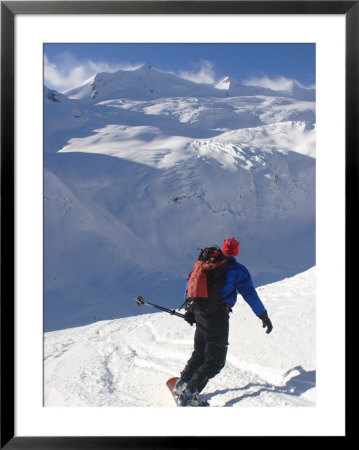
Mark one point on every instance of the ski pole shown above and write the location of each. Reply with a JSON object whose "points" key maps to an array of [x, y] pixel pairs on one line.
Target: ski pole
{"points": [[141, 301]]}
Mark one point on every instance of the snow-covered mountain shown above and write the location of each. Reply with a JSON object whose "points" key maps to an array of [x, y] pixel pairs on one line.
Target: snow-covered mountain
{"points": [[142, 168], [142, 83], [290, 89], [149, 83], [126, 362]]}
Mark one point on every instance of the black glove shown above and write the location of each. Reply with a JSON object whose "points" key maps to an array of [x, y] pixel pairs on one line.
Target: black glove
{"points": [[190, 318], [266, 322]]}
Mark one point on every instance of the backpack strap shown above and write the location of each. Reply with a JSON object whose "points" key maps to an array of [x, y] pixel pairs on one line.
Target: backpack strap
{"points": [[179, 309]]}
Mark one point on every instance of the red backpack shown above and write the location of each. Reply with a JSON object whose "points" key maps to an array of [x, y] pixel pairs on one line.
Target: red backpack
{"points": [[205, 282]]}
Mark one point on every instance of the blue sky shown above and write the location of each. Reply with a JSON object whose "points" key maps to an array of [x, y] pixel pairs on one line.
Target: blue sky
{"points": [[269, 65]]}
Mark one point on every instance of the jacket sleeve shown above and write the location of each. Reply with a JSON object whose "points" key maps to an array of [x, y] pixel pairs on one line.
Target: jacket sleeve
{"points": [[246, 289]]}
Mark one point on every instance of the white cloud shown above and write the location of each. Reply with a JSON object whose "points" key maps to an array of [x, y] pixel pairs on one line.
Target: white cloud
{"points": [[278, 83], [69, 72], [203, 73]]}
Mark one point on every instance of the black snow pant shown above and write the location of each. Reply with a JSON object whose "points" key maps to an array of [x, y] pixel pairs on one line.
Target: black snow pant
{"points": [[210, 350]]}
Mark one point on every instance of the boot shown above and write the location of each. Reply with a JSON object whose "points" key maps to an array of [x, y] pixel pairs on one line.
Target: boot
{"points": [[180, 386], [188, 398]]}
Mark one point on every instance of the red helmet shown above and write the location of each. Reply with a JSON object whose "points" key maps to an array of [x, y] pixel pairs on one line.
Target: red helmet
{"points": [[230, 247]]}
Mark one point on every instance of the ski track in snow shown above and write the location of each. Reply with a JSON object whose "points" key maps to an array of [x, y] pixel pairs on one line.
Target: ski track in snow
{"points": [[125, 362]]}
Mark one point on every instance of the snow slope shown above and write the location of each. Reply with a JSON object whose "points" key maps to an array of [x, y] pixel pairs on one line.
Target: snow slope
{"points": [[125, 362], [136, 181]]}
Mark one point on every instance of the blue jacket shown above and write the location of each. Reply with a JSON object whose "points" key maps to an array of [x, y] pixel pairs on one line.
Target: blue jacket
{"points": [[238, 280]]}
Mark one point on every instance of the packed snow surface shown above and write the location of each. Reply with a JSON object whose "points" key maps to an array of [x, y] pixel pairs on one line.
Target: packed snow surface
{"points": [[126, 362]]}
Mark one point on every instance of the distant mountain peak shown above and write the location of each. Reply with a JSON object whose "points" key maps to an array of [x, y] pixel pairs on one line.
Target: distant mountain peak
{"points": [[144, 68], [226, 82]]}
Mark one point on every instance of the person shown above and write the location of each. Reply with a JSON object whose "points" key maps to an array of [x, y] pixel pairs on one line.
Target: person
{"points": [[211, 335]]}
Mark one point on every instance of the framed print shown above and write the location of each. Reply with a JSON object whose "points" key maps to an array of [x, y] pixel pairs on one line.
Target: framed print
{"points": [[132, 135]]}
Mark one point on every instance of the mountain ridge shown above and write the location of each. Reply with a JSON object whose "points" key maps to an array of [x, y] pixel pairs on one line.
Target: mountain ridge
{"points": [[148, 82]]}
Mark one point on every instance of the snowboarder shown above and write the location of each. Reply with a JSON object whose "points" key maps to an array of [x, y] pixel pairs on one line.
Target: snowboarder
{"points": [[211, 335]]}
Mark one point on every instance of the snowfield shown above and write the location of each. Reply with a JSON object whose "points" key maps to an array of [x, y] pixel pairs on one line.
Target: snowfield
{"points": [[126, 362]]}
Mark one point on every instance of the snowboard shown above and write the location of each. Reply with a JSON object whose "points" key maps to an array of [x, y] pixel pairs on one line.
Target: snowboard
{"points": [[171, 384]]}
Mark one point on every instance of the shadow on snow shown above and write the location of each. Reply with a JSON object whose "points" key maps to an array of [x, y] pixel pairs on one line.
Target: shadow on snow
{"points": [[295, 386]]}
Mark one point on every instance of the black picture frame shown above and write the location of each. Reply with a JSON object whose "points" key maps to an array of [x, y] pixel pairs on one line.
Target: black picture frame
{"points": [[9, 9]]}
